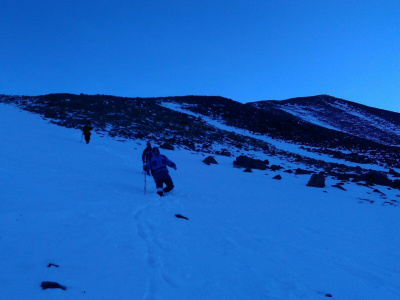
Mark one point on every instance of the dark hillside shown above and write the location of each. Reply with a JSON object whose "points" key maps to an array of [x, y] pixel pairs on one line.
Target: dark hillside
{"points": [[351, 132]]}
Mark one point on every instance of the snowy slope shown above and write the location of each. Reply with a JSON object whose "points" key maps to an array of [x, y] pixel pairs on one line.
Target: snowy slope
{"points": [[280, 145], [83, 208], [341, 115]]}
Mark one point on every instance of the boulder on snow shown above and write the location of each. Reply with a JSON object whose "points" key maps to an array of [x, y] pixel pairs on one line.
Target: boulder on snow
{"points": [[339, 186], [277, 177], [375, 177], [396, 184], [52, 285], [379, 192], [247, 162], [179, 216], [225, 152], [275, 168], [210, 160], [345, 176], [248, 170], [317, 180], [299, 171], [167, 146], [394, 173]]}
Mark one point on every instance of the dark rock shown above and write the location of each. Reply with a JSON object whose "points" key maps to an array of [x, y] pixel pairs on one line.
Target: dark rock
{"points": [[394, 173], [248, 170], [275, 168], [365, 200], [328, 295], [181, 217], [53, 265], [278, 177], [317, 180], [339, 186], [302, 172], [346, 177], [379, 192], [375, 177], [225, 152], [167, 146], [396, 184], [52, 285], [210, 160], [358, 170], [247, 162], [288, 171]]}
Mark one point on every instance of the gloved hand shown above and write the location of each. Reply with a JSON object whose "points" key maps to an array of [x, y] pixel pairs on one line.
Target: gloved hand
{"points": [[174, 167]]}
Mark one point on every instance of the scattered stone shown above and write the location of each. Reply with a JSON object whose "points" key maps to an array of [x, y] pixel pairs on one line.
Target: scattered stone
{"points": [[358, 169], [365, 200], [328, 295], [339, 186], [52, 285], [167, 146], [288, 171], [278, 177], [393, 203], [394, 173], [275, 168], [181, 217], [317, 180], [299, 171], [247, 162], [363, 184], [53, 265], [210, 160], [225, 152], [396, 184], [379, 192], [375, 177], [345, 176]]}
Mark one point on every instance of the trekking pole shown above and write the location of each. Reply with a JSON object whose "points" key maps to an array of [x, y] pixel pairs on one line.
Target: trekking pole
{"points": [[144, 172]]}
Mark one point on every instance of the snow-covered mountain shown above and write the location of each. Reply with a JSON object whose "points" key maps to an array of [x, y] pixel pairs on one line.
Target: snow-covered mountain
{"points": [[76, 214], [321, 126], [359, 120]]}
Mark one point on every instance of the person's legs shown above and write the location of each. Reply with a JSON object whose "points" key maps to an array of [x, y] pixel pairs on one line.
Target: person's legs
{"points": [[159, 186], [169, 185], [87, 138]]}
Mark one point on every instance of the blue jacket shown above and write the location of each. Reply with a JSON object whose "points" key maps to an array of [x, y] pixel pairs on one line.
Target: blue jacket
{"points": [[158, 165]]}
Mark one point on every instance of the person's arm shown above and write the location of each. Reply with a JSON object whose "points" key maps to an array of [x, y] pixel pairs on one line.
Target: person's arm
{"points": [[170, 163]]}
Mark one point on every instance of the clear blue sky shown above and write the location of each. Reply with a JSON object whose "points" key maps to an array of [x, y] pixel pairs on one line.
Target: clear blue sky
{"points": [[244, 50]]}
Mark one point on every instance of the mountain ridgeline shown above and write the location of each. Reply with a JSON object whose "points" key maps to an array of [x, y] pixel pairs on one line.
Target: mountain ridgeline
{"points": [[323, 124]]}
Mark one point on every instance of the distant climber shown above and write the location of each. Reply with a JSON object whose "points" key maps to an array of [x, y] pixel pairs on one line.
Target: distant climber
{"points": [[86, 131], [146, 155], [158, 165]]}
